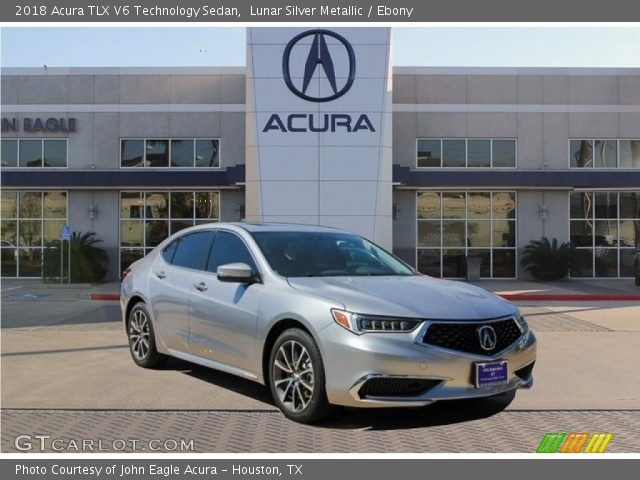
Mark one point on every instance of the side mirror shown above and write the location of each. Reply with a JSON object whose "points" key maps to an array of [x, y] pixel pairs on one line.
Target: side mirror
{"points": [[236, 272]]}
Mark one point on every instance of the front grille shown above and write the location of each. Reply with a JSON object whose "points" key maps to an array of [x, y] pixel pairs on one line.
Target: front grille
{"points": [[464, 336], [525, 372], [396, 387]]}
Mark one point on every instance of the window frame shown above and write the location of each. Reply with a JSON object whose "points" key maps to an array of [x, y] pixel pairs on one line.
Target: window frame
{"points": [[592, 218], [466, 153], [42, 219], [42, 140], [169, 219], [593, 160], [441, 248], [169, 166]]}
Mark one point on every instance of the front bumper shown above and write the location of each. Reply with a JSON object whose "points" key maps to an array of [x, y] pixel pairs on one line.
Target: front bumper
{"points": [[350, 360]]}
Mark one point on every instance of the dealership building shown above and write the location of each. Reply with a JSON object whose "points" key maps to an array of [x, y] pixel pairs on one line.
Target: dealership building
{"points": [[435, 164]]}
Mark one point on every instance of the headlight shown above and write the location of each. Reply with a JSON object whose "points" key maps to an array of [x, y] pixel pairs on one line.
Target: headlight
{"points": [[522, 323], [358, 323]]}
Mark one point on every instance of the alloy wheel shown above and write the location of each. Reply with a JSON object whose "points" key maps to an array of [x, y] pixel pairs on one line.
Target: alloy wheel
{"points": [[139, 336], [293, 376]]}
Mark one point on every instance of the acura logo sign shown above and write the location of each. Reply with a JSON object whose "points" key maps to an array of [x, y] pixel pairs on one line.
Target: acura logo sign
{"points": [[487, 338], [319, 58]]}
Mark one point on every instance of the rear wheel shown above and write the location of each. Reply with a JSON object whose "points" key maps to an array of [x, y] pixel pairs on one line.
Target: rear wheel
{"points": [[142, 341], [296, 377]]}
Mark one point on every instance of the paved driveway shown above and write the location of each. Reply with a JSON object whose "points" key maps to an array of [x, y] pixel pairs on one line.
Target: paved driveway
{"points": [[66, 371]]}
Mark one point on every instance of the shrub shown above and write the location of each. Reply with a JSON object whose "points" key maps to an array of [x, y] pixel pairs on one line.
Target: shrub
{"points": [[88, 262], [546, 260]]}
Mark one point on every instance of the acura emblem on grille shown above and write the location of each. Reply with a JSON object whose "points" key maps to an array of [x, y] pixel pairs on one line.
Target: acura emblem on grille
{"points": [[487, 337]]}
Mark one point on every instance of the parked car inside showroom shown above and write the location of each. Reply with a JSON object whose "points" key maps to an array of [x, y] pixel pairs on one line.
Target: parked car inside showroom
{"points": [[322, 317]]}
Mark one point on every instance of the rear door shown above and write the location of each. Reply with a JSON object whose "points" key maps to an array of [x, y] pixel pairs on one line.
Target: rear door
{"points": [[223, 315], [170, 284]]}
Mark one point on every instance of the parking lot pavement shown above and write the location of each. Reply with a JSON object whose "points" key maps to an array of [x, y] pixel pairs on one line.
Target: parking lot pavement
{"points": [[66, 371]]}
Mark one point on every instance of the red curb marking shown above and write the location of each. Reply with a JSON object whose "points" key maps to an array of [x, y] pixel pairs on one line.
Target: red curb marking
{"points": [[105, 296]]}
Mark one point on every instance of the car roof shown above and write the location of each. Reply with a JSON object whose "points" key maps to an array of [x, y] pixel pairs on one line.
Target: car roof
{"points": [[253, 227]]}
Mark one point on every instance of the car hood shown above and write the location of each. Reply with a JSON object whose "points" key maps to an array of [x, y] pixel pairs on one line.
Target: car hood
{"points": [[417, 296]]}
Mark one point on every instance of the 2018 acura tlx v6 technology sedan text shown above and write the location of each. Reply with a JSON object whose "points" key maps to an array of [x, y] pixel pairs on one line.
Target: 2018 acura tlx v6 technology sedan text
{"points": [[322, 317]]}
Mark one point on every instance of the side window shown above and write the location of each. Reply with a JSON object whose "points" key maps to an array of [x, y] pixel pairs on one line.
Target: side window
{"points": [[228, 248], [169, 251], [191, 250]]}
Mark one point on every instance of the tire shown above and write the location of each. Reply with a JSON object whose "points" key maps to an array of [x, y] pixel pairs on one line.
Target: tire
{"points": [[296, 377], [142, 339]]}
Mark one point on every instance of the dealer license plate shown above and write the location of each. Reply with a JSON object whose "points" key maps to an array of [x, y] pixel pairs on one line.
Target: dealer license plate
{"points": [[491, 373]]}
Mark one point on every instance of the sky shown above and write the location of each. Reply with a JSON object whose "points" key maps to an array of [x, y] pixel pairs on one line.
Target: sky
{"points": [[414, 46]]}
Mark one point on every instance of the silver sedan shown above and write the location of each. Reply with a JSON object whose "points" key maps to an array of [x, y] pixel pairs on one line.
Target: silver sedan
{"points": [[322, 317]]}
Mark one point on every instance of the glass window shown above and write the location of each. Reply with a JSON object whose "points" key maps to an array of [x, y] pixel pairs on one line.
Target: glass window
{"points": [[182, 153], [30, 205], [604, 231], [55, 204], [192, 249], [606, 153], [606, 205], [504, 153], [207, 205], [479, 205], [581, 153], [27, 228], [182, 205], [157, 153], [147, 218], [9, 204], [429, 205], [131, 205], [453, 205], [30, 153], [132, 154], [470, 152], [167, 152], [207, 153], [603, 153], [228, 248], [55, 153], [168, 252], [629, 154], [429, 153], [478, 153], [429, 234], [429, 261], [629, 205], [155, 232], [157, 205], [9, 154], [453, 153], [581, 205], [469, 224]]}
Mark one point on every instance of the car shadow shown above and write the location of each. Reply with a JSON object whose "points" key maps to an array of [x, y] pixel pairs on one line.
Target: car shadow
{"points": [[223, 380], [437, 414]]}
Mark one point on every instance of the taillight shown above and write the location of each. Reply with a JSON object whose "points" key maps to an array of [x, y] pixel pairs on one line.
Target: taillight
{"points": [[125, 272]]}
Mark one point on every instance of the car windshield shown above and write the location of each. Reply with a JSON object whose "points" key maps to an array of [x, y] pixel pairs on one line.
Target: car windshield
{"points": [[326, 254]]}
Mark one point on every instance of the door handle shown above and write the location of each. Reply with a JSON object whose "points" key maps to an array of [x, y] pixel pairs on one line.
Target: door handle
{"points": [[200, 286], [161, 274]]}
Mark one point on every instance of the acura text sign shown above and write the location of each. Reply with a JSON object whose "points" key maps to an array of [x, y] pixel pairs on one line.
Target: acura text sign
{"points": [[319, 128]]}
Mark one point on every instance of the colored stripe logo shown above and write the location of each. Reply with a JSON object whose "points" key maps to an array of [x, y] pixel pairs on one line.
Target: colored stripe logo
{"points": [[574, 442]]}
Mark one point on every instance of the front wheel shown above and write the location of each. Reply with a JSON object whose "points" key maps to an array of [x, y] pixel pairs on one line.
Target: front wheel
{"points": [[296, 377]]}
